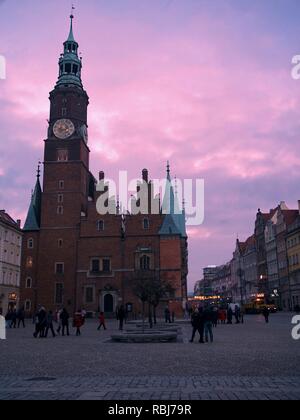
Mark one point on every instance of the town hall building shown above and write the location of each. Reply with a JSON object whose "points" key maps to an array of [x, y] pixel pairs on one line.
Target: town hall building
{"points": [[72, 256]]}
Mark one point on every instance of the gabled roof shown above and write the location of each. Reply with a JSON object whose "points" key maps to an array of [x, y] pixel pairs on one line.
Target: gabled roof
{"points": [[290, 216], [8, 220]]}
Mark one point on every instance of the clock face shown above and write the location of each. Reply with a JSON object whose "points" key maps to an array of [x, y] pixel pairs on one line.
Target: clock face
{"points": [[63, 129]]}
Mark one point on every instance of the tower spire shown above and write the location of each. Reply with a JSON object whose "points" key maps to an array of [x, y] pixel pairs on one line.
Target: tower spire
{"points": [[70, 64], [71, 35]]}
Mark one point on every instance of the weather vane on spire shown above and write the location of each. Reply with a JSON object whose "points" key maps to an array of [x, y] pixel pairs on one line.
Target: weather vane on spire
{"points": [[72, 10]]}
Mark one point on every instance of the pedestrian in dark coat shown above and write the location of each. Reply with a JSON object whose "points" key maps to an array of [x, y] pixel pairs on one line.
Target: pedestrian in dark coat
{"points": [[266, 314], [208, 324], [168, 315], [198, 325], [41, 323], [21, 317], [14, 319], [65, 317], [229, 316], [237, 314], [50, 319], [121, 317]]}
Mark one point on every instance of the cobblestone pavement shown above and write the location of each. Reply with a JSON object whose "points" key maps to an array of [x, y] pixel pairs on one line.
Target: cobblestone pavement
{"points": [[252, 361]]}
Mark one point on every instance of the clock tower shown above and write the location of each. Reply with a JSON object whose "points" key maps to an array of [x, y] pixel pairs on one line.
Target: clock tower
{"points": [[66, 160], [66, 182]]}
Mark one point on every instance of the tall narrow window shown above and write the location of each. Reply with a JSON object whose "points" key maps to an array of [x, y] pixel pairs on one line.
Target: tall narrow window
{"points": [[145, 263], [62, 155], [61, 185], [28, 283], [59, 294], [146, 224], [95, 265], [60, 198], [100, 225], [106, 265], [60, 210], [59, 268], [27, 305], [30, 243]]}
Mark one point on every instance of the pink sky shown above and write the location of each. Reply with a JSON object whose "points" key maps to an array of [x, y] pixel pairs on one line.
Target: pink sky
{"points": [[205, 84]]}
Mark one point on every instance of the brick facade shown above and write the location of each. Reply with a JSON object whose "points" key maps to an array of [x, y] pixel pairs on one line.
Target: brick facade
{"points": [[81, 259]]}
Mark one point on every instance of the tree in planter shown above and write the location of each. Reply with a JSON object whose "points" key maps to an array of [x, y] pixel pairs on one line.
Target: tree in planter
{"points": [[161, 289], [142, 289], [151, 289]]}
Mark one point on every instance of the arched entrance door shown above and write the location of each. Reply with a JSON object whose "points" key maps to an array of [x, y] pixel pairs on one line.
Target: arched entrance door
{"points": [[108, 303]]}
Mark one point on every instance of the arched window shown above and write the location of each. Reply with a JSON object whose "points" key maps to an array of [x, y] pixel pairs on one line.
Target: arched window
{"points": [[145, 263], [100, 225], [27, 305], [28, 284], [146, 224], [30, 243]]}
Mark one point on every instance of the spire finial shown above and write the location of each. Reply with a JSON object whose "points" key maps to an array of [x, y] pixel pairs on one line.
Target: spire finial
{"points": [[39, 170], [176, 186], [71, 36]]}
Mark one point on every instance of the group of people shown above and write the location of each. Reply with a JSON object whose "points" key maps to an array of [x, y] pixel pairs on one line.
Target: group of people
{"points": [[203, 321], [14, 318], [45, 320]]}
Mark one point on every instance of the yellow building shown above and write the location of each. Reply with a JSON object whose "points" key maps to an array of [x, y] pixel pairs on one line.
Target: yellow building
{"points": [[293, 251]]}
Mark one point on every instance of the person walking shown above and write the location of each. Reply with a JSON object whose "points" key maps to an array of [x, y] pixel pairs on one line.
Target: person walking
{"points": [[215, 317], [222, 316], [50, 319], [266, 314], [78, 322], [65, 317], [168, 315], [208, 324], [21, 317], [41, 323], [14, 319], [58, 321], [121, 317], [237, 314], [8, 319], [229, 316], [198, 325], [101, 321]]}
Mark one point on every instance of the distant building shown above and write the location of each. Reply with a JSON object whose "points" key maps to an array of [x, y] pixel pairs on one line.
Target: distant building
{"points": [[284, 220], [250, 278], [293, 250], [10, 262]]}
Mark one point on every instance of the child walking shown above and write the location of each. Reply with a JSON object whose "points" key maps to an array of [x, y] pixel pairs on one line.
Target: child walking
{"points": [[101, 321]]}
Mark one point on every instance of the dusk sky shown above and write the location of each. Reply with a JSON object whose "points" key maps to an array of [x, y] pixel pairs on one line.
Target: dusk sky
{"points": [[204, 83]]}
